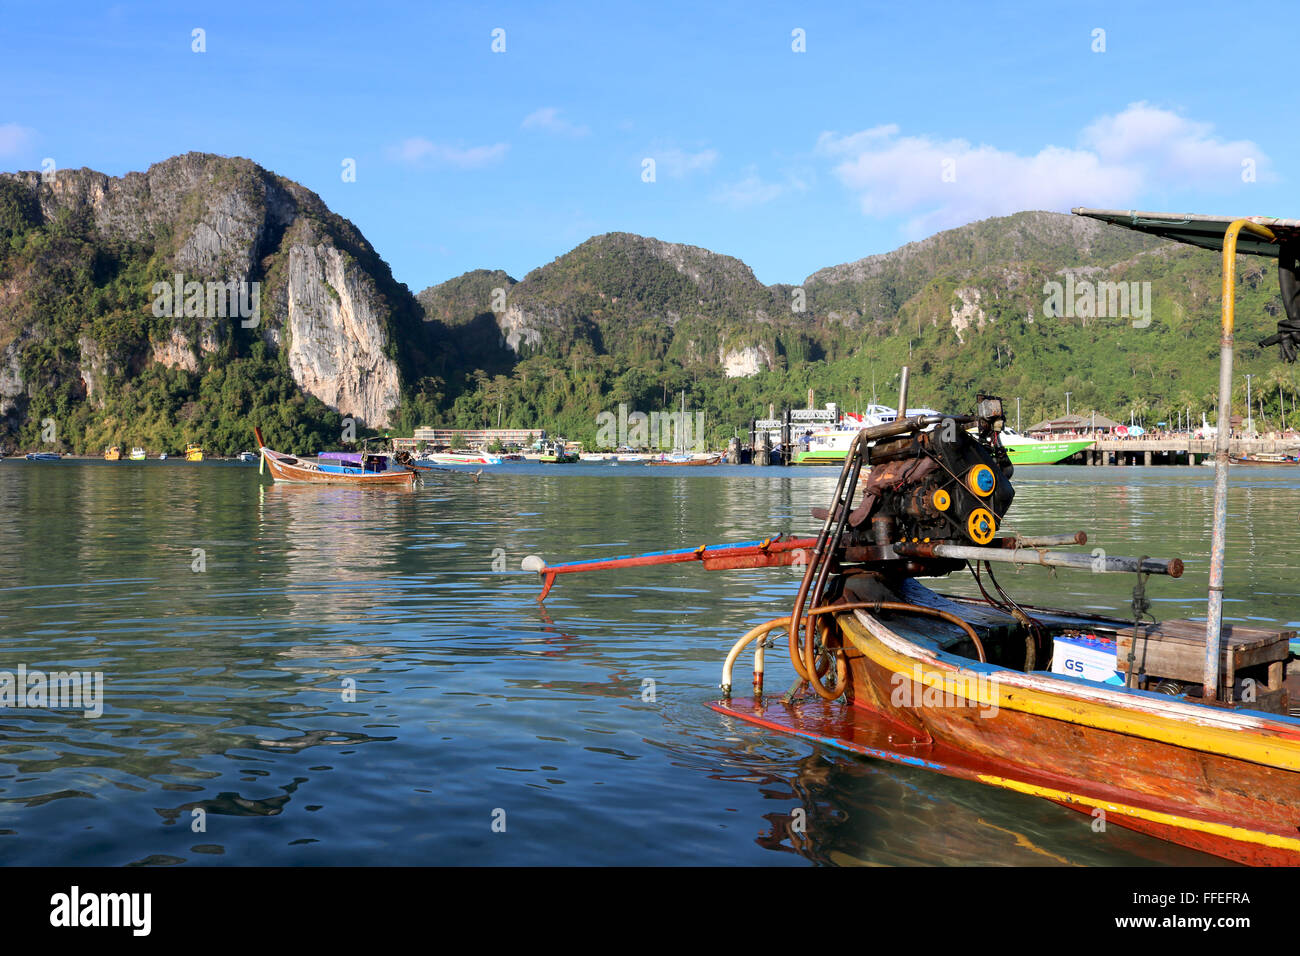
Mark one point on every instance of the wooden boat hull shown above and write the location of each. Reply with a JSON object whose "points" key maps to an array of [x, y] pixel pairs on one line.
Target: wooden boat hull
{"points": [[287, 468], [1224, 782], [694, 462]]}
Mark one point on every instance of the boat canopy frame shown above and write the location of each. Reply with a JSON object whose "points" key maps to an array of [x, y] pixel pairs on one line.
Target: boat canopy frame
{"points": [[1207, 232], [1231, 236]]}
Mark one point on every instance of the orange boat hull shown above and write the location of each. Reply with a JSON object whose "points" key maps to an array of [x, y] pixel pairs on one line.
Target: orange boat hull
{"points": [[1228, 786]]}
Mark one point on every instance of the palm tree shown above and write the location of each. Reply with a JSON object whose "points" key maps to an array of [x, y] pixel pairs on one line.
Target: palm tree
{"points": [[1140, 407], [1275, 383], [1188, 404]]}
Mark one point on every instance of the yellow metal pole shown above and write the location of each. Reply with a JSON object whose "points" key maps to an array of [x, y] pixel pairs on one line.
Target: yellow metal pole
{"points": [[1218, 545]]}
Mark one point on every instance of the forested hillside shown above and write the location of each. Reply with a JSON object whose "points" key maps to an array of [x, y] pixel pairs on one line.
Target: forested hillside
{"points": [[87, 357], [632, 320]]}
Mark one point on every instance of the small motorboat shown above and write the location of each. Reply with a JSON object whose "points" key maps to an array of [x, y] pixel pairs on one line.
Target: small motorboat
{"points": [[247, 456], [137, 454], [554, 453], [460, 458]]}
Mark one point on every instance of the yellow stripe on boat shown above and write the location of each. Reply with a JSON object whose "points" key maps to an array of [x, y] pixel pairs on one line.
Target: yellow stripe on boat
{"points": [[1155, 816], [1242, 743]]}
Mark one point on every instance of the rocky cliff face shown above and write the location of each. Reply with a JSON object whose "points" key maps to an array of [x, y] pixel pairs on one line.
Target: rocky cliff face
{"points": [[13, 387], [323, 295], [746, 362], [336, 335]]}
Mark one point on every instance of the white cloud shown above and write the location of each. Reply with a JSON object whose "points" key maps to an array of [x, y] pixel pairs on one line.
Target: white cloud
{"points": [[14, 138], [548, 120], [835, 145], [418, 150], [678, 163], [1169, 145], [1119, 157], [753, 190]]}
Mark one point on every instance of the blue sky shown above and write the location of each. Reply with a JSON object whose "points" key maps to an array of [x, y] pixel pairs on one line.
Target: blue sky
{"points": [[897, 120]]}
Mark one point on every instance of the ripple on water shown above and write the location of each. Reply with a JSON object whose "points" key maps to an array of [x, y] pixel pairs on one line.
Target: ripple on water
{"points": [[353, 680]]}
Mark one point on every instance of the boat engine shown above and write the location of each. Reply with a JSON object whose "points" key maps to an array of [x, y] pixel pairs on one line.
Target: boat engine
{"points": [[947, 484]]}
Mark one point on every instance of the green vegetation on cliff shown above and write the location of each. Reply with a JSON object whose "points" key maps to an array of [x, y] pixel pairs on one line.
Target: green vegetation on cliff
{"points": [[86, 357], [621, 319], [627, 320]]}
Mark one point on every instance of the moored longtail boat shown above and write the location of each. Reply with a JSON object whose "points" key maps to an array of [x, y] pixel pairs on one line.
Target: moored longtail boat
{"points": [[686, 461], [1179, 729], [372, 470], [1265, 459]]}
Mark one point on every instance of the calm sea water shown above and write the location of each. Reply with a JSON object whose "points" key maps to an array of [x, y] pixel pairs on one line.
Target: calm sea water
{"points": [[580, 729]]}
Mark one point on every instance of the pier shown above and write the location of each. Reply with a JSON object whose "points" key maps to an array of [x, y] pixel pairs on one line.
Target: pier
{"points": [[1177, 451]]}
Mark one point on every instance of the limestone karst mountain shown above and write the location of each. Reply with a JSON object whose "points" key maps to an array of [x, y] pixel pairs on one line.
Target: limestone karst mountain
{"points": [[182, 303], [107, 278]]}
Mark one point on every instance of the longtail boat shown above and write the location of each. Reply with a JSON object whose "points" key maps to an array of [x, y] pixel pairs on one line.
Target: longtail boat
{"points": [[1265, 459], [683, 461], [1179, 728], [371, 470]]}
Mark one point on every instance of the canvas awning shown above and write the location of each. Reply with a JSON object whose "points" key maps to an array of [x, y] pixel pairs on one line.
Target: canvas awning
{"points": [[1204, 231]]}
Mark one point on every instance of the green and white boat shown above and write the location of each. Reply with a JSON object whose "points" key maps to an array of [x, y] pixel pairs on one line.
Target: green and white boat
{"points": [[830, 446], [826, 447], [1024, 450]]}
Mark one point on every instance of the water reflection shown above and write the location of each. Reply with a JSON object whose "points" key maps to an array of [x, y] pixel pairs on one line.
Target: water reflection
{"points": [[355, 678], [836, 810]]}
